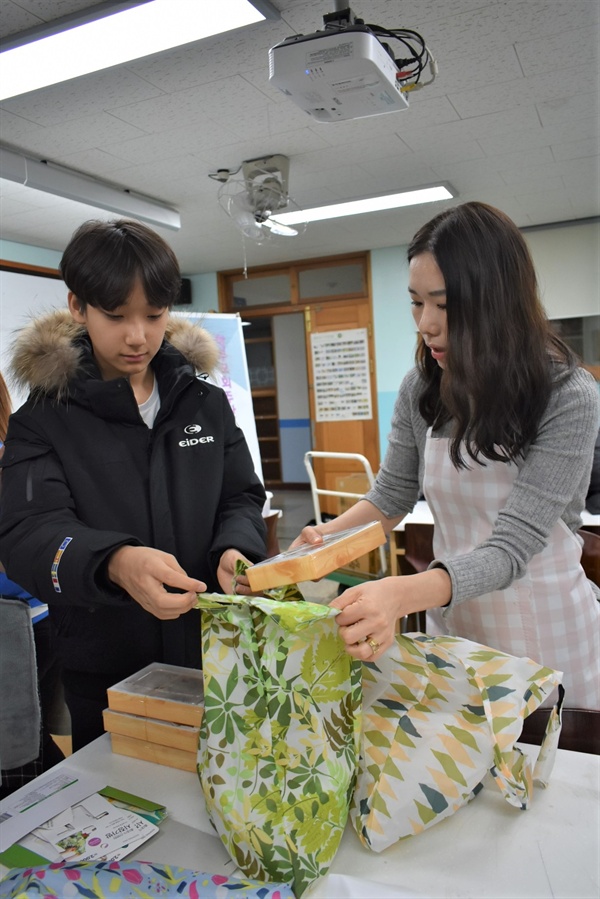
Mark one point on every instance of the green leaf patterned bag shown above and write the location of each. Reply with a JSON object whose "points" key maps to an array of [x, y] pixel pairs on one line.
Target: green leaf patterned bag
{"points": [[438, 714], [280, 734]]}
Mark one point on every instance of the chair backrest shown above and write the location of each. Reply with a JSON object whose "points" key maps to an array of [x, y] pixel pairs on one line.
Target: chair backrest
{"points": [[580, 729], [590, 556], [20, 714], [318, 491], [419, 549], [418, 545]]}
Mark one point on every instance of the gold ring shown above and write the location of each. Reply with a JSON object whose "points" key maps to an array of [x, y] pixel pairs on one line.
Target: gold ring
{"points": [[374, 646]]}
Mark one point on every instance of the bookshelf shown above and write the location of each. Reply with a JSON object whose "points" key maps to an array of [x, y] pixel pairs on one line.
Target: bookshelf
{"points": [[258, 338]]}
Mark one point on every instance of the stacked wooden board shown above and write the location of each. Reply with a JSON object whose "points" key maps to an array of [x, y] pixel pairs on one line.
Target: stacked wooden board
{"points": [[155, 715]]}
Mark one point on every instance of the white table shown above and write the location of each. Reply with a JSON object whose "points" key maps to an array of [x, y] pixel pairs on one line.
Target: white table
{"points": [[487, 850], [421, 514]]}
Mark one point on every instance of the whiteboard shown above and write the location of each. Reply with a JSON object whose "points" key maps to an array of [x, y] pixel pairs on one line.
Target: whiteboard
{"points": [[25, 296]]}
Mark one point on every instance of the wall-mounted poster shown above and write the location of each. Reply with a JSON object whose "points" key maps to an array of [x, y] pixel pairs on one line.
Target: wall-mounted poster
{"points": [[233, 376], [342, 386]]}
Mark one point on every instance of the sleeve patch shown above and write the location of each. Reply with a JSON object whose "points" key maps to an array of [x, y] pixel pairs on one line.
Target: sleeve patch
{"points": [[56, 563]]}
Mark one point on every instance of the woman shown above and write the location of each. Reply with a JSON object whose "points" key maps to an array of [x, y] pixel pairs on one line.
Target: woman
{"points": [[496, 425]]}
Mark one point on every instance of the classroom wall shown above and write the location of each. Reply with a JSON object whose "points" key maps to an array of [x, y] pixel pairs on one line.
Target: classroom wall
{"points": [[22, 252], [567, 260], [393, 329], [291, 375], [205, 297]]}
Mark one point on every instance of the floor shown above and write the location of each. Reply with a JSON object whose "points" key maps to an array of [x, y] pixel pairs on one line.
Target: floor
{"points": [[297, 510]]}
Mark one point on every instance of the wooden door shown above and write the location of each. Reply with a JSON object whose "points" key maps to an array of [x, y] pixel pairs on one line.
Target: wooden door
{"points": [[344, 436]]}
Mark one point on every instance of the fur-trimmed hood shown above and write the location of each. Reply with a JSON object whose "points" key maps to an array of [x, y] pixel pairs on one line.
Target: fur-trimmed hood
{"points": [[48, 351]]}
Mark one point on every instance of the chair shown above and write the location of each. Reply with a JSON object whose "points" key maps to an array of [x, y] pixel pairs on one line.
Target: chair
{"points": [[20, 715], [590, 556], [271, 519], [418, 546], [350, 576], [418, 554], [580, 729]]}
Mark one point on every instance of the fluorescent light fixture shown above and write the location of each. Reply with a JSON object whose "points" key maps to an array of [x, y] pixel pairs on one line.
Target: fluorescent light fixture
{"points": [[62, 182], [147, 28], [414, 197]]}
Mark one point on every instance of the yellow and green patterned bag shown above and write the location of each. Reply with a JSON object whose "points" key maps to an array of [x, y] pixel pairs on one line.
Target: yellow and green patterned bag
{"points": [[280, 734], [439, 713]]}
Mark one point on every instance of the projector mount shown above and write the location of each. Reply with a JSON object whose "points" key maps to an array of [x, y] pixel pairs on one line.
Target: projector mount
{"points": [[348, 70], [411, 67]]}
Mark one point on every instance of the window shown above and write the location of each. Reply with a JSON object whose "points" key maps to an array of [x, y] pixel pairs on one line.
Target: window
{"points": [[270, 290], [332, 281], [312, 280], [582, 334]]}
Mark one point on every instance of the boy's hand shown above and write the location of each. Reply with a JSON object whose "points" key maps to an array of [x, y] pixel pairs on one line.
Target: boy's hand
{"points": [[229, 582], [144, 572]]}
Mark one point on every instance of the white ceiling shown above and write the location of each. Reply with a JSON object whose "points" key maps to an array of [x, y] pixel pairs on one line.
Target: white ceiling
{"points": [[512, 120]]}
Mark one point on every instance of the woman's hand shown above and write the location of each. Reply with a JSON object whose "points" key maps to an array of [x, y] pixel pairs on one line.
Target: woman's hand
{"points": [[368, 620], [370, 613], [309, 534], [362, 512]]}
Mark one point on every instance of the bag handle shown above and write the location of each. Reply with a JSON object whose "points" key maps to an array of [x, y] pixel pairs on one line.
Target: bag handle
{"points": [[549, 745], [512, 769]]}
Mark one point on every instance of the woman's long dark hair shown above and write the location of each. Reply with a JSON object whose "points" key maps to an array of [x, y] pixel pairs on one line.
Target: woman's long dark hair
{"points": [[500, 345]]}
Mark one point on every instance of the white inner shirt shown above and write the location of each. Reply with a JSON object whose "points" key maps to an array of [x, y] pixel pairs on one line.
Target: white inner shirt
{"points": [[149, 409]]}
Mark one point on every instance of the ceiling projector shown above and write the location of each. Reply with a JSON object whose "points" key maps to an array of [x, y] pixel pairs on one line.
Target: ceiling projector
{"points": [[337, 74]]}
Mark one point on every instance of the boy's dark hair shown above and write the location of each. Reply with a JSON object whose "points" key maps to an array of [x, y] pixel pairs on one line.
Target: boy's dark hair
{"points": [[103, 260]]}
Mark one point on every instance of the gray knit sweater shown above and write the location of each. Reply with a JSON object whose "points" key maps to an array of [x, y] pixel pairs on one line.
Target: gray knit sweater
{"points": [[551, 482]]}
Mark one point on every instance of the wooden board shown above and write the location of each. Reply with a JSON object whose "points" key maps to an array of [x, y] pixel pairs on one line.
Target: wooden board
{"points": [[166, 692], [180, 736], [308, 562], [153, 752]]}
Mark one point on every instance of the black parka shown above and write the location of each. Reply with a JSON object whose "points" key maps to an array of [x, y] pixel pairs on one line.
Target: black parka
{"points": [[83, 475]]}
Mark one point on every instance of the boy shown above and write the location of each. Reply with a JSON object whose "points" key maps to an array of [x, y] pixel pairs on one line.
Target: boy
{"points": [[108, 513]]}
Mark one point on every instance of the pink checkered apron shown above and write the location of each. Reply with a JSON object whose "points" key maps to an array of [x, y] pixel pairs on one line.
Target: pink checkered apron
{"points": [[551, 614]]}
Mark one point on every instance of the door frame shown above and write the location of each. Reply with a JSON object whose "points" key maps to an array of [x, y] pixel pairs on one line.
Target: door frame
{"points": [[226, 279]]}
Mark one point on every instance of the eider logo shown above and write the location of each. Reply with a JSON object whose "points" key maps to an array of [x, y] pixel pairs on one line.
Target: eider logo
{"points": [[194, 441]]}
